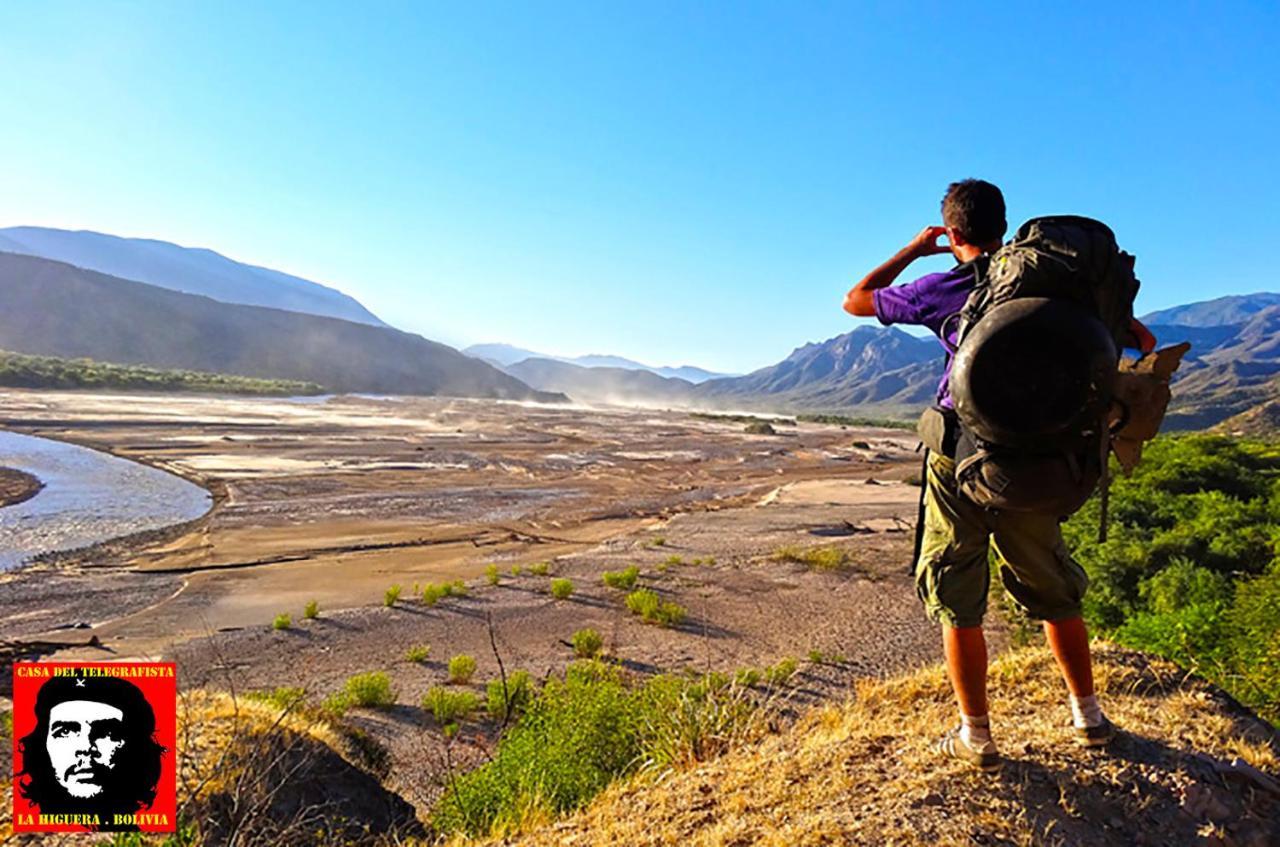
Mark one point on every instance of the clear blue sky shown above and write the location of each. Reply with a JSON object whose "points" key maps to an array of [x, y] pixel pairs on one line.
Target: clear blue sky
{"points": [[684, 182]]}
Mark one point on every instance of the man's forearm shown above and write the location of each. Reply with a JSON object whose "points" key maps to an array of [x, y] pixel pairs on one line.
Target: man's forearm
{"points": [[860, 301]]}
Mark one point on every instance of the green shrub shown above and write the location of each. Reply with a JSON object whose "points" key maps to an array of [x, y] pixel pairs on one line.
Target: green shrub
{"points": [[657, 541], [285, 697], [624, 579], [516, 570], [781, 673], [674, 560], [1193, 542], [653, 609], [281, 621], [391, 595], [418, 653], [512, 700], [643, 602], [587, 643], [6, 723], [432, 593], [818, 558], [461, 668], [747, 677], [369, 690], [449, 705], [561, 588], [491, 574], [456, 588], [311, 611], [585, 731], [540, 568]]}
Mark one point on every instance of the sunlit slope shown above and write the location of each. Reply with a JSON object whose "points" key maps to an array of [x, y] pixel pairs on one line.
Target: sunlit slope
{"points": [[864, 773]]}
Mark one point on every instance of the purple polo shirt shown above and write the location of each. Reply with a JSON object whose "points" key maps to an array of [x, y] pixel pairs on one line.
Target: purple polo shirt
{"points": [[929, 302]]}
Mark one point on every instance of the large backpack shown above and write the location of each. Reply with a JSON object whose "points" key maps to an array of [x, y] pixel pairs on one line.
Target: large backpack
{"points": [[1035, 363]]}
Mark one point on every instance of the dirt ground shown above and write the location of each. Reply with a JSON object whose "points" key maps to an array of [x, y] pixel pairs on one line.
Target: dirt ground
{"points": [[337, 500]]}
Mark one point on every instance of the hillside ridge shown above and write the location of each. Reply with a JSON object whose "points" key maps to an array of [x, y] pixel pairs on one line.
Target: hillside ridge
{"points": [[1191, 766], [191, 270], [50, 308]]}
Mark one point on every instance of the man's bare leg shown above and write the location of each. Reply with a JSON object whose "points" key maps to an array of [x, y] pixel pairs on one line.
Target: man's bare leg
{"points": [[1069, 641], [965, 648]]}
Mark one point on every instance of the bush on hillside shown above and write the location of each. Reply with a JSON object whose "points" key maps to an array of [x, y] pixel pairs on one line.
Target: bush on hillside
{"points": [[1191, 565], [586, 730], [624, 579], [461, 668]]}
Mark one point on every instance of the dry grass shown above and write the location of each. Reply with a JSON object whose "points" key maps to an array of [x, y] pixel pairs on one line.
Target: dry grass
{"points": [[817, 558], [864, 772]]}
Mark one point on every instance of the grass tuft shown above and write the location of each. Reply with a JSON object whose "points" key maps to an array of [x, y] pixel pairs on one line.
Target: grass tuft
{"points": [[561, 588], [461, 668], [370, 690], [817, 558], [624, 579], [653, 609], [587, 643], [511, 701], [448, 706]]}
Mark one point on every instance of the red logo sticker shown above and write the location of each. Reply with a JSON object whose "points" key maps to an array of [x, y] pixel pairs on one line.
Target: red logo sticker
{"points": [[93, 747]]}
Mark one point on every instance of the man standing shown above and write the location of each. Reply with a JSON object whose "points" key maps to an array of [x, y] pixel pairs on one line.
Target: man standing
{"points": [[952, 573]]}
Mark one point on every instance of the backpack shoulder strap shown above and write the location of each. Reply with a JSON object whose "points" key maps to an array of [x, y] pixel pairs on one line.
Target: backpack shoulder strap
{"points": [[976, 305]]}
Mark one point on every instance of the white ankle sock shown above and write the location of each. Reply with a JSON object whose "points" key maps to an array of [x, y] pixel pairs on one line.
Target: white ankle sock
{"points": [[1085, 711], [975, 730]]}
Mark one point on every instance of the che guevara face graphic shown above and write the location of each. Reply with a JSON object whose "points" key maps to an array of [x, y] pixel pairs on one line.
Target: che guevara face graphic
{"points": [[84, 743]]}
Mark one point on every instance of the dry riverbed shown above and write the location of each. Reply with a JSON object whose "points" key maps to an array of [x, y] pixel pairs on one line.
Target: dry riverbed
{"points": [[335, 500]]}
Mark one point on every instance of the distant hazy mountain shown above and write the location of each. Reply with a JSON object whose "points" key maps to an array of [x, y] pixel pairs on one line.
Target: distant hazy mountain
{"points": [[1234, 309], [870, 366], [505, 354], [55, 309], [620, 386], [685, 372], [502, 354], [187, 269]]}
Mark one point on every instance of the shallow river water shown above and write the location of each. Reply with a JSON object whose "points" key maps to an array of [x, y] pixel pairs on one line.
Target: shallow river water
{"points": [[88, 497]]}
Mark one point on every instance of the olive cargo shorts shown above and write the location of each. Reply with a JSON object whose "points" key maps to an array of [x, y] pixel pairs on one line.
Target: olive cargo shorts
{"points": [[953, 575]]}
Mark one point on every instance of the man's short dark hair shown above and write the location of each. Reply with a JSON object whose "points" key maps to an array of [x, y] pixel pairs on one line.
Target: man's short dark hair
{"points": [[138, 766], [975, 209]]}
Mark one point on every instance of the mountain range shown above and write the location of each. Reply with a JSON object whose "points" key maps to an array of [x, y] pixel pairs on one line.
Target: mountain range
{"points": [[504, 355], [186, 269], [54, 309], [1233, 366], [137, 301]]}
